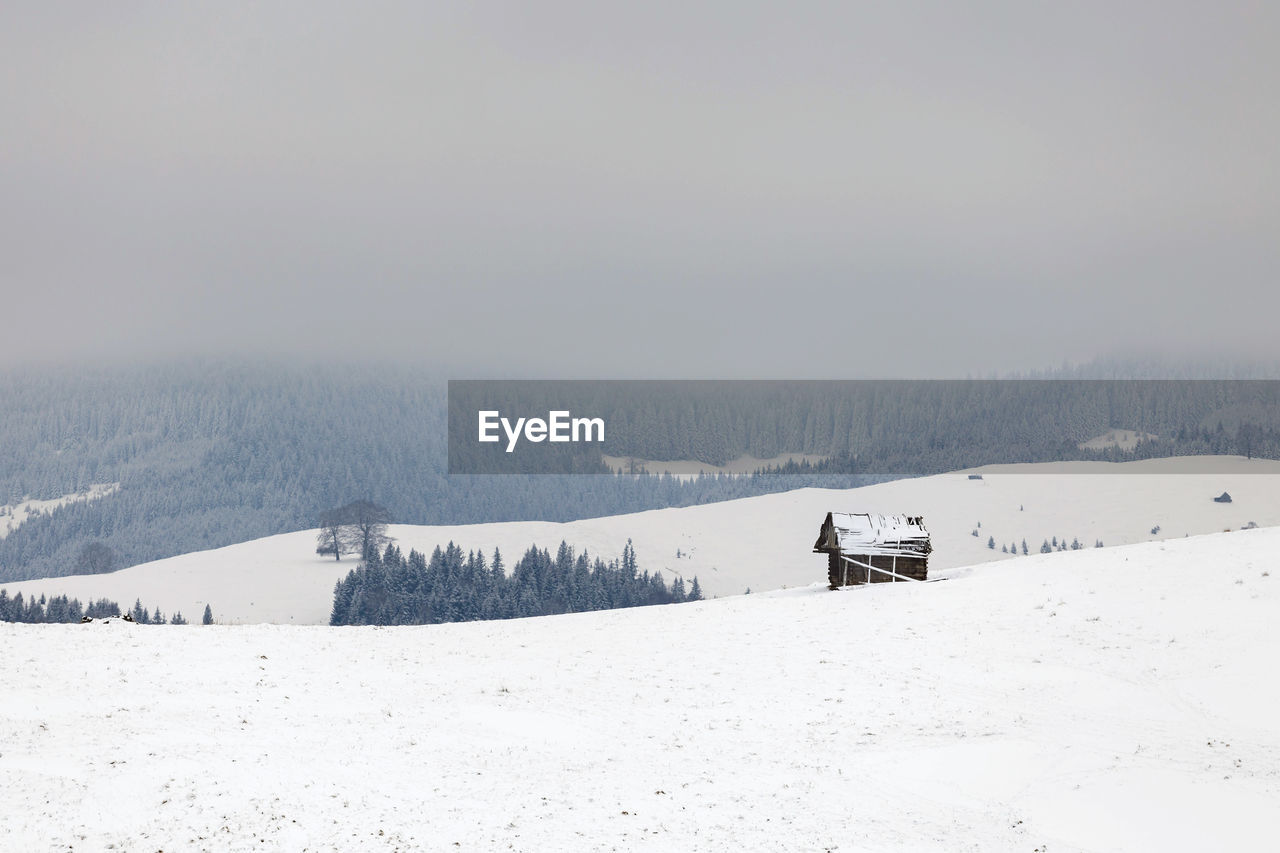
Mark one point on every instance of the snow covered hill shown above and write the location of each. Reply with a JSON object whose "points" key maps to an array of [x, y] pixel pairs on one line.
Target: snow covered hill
{"points": [[1115, 699], [758, 543]]}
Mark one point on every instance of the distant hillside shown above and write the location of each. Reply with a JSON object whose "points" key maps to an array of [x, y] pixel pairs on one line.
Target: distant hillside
{"points": [[759, 543], [207, 454]]}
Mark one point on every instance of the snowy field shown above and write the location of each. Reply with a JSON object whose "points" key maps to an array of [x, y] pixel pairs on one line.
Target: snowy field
{"points": [[758, 543], [1113, 699]]}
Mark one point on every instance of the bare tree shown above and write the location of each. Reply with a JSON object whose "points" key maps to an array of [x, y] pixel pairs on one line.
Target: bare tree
{"points": [[334, 536], [96, 558], [354, 528], [368, 523]]}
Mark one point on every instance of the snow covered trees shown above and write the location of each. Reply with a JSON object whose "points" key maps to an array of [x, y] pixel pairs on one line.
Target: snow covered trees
{"points": [[62, 609], [453, 586], [695, 590]]}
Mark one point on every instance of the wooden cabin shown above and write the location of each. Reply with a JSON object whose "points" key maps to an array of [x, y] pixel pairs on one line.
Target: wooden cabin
{"points": [[867, 547]]}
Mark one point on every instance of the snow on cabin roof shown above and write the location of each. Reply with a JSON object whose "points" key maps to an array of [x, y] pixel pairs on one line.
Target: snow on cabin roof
{"points": [[872, 533]]}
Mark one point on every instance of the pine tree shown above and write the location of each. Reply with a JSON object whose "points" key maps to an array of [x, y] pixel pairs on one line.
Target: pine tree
{"points": [[629, 561], [991, 542], [677, 590], [498, 568], [342, 591], [207, 619]]}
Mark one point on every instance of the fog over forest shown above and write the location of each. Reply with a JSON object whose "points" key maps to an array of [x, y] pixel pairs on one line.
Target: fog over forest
{"points": [[665, 190]]}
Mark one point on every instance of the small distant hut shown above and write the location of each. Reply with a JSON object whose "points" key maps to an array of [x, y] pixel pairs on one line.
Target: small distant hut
{"points": [[871, 548]]}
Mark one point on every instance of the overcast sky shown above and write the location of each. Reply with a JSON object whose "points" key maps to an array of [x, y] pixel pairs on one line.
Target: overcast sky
{"points": [[726, 189]]}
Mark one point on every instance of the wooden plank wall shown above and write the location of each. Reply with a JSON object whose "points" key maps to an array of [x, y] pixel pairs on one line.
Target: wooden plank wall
{"points": [[916, 568]]}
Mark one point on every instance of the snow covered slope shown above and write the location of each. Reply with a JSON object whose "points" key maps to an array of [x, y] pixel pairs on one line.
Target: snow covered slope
{"points": [[758, 543], [13, 516], [1120, 699]]}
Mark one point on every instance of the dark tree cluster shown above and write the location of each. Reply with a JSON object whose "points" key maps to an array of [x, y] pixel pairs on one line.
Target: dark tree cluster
{"points": [[392, 589], [96, 558], [62, 609]]}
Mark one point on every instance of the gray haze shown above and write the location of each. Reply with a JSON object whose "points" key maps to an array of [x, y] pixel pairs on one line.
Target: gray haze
{"points": [[664, 188]]}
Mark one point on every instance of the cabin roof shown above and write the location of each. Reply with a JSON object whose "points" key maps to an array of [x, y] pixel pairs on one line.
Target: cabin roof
{"points": [[874, 534]]}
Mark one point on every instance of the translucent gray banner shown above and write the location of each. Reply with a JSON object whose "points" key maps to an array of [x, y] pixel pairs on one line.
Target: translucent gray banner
{"points": [[872, 427]]}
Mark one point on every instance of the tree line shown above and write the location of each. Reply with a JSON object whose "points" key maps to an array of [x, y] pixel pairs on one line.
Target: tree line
{"points": [[389, 588], [61, 609]]}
